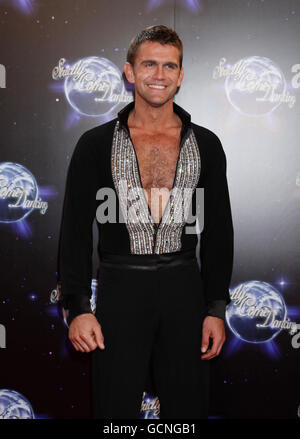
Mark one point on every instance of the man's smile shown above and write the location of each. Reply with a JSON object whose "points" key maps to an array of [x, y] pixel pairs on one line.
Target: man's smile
{"points": [[158, 87]]}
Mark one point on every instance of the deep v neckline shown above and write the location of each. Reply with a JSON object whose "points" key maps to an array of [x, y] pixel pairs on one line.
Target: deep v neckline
{"points": [[155, 225]]}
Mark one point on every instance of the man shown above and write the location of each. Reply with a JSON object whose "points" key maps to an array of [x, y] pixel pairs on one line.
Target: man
{"points": [[156, 310]]}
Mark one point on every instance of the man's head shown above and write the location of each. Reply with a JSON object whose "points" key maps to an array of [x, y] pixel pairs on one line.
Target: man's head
{"points": [[154, 58], [159, 34]]}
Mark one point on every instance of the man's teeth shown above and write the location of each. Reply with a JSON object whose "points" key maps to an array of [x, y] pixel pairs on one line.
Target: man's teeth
{"points": [[158, 86]]}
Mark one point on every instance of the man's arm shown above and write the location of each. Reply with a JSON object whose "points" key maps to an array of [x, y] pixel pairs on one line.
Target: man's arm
{"points": [[216, 308], [76, 240], [217, 236], [216, 249]]}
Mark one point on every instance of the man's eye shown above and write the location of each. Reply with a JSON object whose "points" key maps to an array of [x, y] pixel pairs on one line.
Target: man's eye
{"points": [[149, 63]]}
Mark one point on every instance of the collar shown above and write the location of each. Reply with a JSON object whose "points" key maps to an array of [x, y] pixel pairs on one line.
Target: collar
{"points": [[184, 116]]}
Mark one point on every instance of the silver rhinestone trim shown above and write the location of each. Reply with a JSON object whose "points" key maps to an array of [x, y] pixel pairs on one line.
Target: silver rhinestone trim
{"points": [[134, 206]]}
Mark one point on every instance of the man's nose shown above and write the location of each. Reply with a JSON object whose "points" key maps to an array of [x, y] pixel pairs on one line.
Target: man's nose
{"points": [[159, 72]]}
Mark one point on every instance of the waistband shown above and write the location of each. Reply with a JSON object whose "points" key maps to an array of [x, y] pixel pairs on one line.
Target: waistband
{"points": [[148, 262]]}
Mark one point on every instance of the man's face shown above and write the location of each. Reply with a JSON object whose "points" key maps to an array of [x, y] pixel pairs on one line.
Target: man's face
{"points": [[155, 65]]}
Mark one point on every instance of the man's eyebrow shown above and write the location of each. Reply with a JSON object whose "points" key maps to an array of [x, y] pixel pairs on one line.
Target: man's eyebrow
{"points": [[155, 62]]}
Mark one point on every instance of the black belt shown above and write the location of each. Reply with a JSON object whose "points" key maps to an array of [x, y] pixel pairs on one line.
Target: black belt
{"points": [[148, 262]]}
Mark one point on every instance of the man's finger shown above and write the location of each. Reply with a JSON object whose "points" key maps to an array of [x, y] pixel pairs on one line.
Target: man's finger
{"points": [[77, 346], [81, 343], [222, 341], [88, 342], [205, 340], [215, 348], [99, 337]]}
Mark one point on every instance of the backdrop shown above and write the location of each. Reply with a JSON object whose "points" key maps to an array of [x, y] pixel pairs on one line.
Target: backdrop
{"points": [[60, 75]]}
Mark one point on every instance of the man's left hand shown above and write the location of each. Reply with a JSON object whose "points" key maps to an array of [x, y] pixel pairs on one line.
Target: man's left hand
{"points": [[213, 327]]}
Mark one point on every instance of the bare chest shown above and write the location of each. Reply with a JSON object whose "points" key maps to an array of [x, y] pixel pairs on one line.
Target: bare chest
{"points": [[157, 157]]}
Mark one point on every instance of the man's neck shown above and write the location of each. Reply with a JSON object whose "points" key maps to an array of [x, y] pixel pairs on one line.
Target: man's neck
{"points": [[151, 118]]}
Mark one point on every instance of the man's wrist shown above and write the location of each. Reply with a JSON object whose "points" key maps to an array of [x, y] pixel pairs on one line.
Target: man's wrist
{"points": [[216, 308], [72, 315], [77, 304]]}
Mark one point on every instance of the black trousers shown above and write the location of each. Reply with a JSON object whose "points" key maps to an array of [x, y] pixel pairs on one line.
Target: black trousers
{"points": [[151, 310]]}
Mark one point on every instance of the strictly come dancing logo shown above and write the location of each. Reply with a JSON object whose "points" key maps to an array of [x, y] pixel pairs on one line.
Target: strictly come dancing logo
{"points": [[255, 85], [150, 408], [19, 193], [14, 405], [257, 312], [93, 86]]}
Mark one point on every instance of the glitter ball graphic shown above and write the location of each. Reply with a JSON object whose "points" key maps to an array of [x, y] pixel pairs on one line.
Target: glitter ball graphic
{"points": [[253, 310], [18, 191], [255, 86], [95, 87], [13, 405]]}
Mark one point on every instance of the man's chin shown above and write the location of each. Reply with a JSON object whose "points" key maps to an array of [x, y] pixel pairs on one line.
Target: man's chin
{"points": [[157, 102]]}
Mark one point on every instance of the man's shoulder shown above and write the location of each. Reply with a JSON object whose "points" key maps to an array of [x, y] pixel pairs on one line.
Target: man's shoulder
{"points": [[100, 132], [95, 142], [205, 133], [209, 143]]}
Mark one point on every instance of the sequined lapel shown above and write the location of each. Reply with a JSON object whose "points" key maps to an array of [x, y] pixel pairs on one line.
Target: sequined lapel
{"points": [[145, 237]]}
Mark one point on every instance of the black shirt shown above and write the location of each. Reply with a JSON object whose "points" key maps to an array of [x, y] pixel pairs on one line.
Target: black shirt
{"points": [[104, 157]]}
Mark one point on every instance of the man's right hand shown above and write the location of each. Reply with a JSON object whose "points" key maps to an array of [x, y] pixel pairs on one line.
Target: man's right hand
{"points": [[85, 333]]}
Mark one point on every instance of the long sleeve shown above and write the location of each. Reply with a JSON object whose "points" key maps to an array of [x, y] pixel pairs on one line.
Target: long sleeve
{"points": [[217, 236], [216, 308], [76, 238]]}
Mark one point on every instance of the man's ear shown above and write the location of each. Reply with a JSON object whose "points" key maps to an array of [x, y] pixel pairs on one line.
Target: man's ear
{"points": [[128, 70]]}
